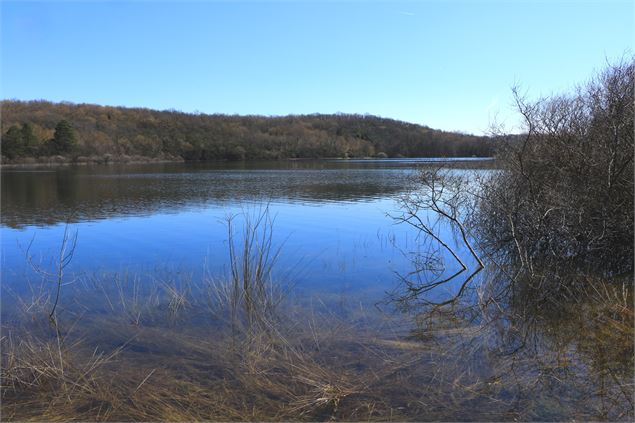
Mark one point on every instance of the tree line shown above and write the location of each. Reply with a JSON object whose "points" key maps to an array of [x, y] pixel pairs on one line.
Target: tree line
{"points": [[22, 141], [41, 128]]}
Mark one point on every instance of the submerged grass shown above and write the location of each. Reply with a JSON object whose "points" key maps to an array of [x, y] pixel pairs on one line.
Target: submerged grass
{"points": [[312, 366], [237, 349]]}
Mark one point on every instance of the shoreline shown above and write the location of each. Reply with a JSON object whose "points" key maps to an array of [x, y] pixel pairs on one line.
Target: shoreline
{"points": [[60, 161]]}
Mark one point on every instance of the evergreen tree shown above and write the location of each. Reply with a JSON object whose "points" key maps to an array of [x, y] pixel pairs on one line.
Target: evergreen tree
{"points": [[64, 140], [29, 140], [12, 145]]}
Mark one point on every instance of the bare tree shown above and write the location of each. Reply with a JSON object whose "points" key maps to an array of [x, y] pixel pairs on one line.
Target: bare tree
{"points": [[66, 253], [438, 204]]}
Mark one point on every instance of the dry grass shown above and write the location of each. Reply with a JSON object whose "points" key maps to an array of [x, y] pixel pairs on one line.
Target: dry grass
{"points": [[109, 369], [39, 376]]}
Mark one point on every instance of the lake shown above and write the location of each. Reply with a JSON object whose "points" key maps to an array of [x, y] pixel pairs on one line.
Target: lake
{"points": [[157, 322], [334, 220]]}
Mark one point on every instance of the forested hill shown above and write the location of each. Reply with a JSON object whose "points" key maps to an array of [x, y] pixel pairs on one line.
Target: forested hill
{"points": [[35, 129]]}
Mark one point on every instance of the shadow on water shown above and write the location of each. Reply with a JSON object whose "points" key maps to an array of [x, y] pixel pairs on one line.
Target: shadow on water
{"points": [[45, 197]]}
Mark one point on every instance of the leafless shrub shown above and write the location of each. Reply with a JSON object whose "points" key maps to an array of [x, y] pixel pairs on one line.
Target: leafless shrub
{"points": [[66, 253], [438, 206], [564, 197]]}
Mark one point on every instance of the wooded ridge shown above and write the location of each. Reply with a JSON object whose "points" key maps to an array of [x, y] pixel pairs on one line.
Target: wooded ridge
{"points": [[77, 132]]}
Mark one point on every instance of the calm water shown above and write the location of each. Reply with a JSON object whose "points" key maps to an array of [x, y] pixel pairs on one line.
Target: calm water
{"points": [[333, 219], [334, 222]]}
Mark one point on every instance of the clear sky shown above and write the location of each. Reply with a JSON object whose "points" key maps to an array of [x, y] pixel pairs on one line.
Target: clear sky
{"points": [[448, 65]]}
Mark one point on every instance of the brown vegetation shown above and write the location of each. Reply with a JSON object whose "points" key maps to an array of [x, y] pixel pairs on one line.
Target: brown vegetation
{"points": [[564, 195], [306, 365], [557, 212], [109, 133]]}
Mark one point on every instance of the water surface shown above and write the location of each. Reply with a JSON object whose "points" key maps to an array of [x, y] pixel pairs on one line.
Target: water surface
{"points": [[333, 219], [148, 233]]}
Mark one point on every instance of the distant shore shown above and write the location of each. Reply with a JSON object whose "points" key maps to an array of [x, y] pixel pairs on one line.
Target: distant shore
{"points": [[54, 161], [60, 161]]}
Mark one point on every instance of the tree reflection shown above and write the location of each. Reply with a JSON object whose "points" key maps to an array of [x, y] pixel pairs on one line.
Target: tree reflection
{"points": [[552, 343], [565, 355]]}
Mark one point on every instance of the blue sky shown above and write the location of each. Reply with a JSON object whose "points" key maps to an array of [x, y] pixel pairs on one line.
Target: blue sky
{"points": [[448, 65]]}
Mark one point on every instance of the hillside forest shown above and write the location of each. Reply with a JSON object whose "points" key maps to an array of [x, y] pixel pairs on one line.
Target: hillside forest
{"points": [[40, 131]]}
